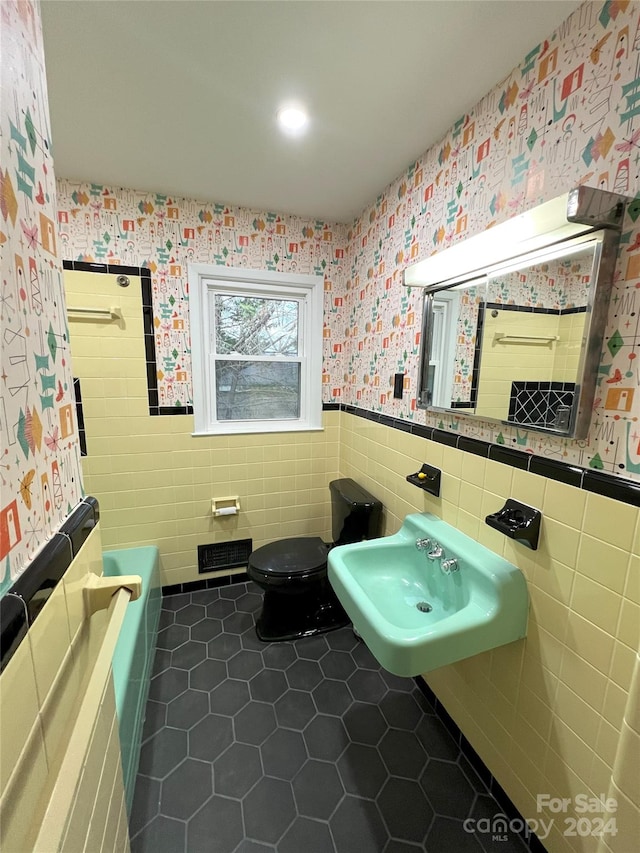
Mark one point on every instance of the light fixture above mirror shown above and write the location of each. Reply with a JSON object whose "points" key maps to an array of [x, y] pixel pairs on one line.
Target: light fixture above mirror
{"points": [[514, 318]]}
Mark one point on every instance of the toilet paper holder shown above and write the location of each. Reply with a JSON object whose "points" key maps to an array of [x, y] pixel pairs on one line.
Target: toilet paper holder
{"points": [[225, 506]]}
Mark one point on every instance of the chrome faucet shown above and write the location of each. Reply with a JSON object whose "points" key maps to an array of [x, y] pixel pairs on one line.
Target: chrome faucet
{"points": [[437, 551]]}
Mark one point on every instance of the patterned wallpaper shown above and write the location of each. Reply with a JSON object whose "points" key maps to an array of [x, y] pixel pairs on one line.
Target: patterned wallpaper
{"points": [[569, 114], [40, 475], [465, 344], [113, 225], [560, 284]]}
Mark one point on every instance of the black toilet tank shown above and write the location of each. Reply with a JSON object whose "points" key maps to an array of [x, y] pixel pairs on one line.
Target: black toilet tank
{"points": [[355, 514]]}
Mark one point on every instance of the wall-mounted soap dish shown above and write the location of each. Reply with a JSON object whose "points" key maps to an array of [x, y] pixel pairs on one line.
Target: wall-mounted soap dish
{"points": [[427, 478], [517, 521]]}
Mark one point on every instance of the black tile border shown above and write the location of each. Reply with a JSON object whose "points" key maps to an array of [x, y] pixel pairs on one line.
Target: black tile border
{"points": [[473, 445], [111, 269], [147, 323], [572, 475], [484, 774], [37, 583], [603, 484], [509, 456], [170, 410], [205, 583], [449, 439], [82, 435], [81, 522], [422, 431], [599, 482], [34, 586], [477, 352], [534, 309], [14, 622]]}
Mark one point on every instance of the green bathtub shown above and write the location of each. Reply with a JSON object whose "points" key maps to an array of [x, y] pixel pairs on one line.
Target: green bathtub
{"points": [[133, 656]]}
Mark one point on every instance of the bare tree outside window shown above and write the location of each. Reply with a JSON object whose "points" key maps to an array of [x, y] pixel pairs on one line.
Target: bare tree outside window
{"points": [[257, 364]]}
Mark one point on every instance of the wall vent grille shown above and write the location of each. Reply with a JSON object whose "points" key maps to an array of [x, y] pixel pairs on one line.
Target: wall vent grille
{"points": [[224, 555]]}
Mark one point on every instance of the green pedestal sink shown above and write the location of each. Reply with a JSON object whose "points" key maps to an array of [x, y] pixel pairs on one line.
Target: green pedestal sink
{"points": [[417, 610]]}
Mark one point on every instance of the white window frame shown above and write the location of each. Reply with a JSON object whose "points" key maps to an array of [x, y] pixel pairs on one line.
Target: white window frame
{"points": [[205, 280], [443, 349]]}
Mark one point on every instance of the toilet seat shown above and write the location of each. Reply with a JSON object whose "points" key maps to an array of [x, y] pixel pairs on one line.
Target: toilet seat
{"points": [[301, 558]]}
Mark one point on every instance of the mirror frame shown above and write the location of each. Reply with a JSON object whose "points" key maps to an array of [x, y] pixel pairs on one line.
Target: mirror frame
{"points": [[581, 216]]}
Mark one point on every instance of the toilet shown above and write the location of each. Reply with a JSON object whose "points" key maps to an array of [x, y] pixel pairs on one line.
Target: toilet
{"points": [[298, 598]]}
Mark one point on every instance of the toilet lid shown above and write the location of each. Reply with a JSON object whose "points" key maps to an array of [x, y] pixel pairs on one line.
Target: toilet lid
{"points": [[290, 556]]}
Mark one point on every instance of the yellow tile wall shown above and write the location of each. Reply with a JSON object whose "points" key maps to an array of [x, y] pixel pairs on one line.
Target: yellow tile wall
{"points": [[530, 362], [556, 362], [40, 690], [545, 713], [98, 821], [625, 787], [154, 480]]}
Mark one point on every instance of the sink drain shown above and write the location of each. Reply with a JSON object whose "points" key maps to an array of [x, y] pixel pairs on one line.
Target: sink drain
{"points": [[424, 607]]}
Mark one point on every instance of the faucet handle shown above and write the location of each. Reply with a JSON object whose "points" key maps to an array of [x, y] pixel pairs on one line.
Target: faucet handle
{"points": [[437, 551], [449, 566], [423, 544]]}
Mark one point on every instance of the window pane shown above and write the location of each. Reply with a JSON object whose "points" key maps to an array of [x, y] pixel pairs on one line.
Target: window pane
{"points": [[257, 390], [249, 325]]}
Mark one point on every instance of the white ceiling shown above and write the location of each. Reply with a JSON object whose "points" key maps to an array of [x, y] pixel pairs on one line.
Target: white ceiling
{"points": [[179, 96]]}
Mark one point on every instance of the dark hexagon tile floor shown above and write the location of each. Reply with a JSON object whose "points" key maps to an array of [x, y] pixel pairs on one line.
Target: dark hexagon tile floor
{"points": [[300, 747]]}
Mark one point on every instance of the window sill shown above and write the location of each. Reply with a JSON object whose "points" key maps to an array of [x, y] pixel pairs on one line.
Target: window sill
{"points": [[260, 429]]}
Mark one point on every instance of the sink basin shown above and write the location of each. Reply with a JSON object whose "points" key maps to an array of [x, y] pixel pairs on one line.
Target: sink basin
{"points": [[413, 616]]}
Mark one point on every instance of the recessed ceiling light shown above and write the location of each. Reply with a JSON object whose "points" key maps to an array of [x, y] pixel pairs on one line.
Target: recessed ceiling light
{"points": [[292, 118]]}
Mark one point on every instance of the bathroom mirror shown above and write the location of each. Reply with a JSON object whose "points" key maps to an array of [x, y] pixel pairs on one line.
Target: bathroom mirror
{"points": [[514, 318]]}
